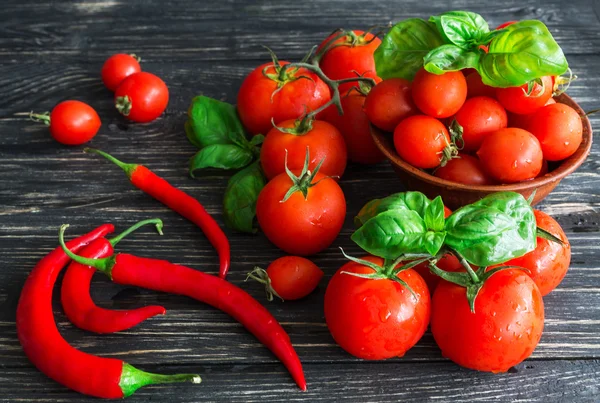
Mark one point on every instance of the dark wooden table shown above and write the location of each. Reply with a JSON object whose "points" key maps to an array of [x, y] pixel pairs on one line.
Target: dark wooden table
{"points": [[52, 51]]}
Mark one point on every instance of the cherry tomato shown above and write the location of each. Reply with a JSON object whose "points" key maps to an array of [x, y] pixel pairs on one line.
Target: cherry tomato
{"points": [[439, 96], [447, 212], [289, 277], [420, 140], [448, 262], [389, 102], [354, 126], [71, 122], [324, 141], [522, 121], [559, 129], [466, 169], [476, 87], [376, 319], [349, 56], [504, 330], [516, 100], [478, 117], [258, 103], [301, 226], [549, 261], [142, 97], [117, 68], [511, 155], [506, 24]]}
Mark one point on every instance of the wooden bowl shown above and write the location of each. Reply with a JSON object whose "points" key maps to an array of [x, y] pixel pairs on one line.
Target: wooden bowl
{"points": [[456, 195]]}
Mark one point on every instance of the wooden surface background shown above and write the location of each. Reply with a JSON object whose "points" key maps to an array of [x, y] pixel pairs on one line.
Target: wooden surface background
{"points": [[52, 51]]}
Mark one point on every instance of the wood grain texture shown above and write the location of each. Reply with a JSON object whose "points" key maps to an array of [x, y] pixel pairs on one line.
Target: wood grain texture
{"points": [[52, 51]]}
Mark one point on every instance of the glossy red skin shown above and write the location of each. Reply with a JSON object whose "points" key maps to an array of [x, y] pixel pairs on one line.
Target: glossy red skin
{"points": [[466, 170], [504, 330], [419, 140], [376, 319], [476, 87], [294, 277], [516, 100], [81, 309], [522, 121], [390, 102], [117, 68], [549, 261], [506, 24], [324, 141], [257, 106], [559, 129], [149, 96], [354, 126], [73, 123], [447, 212], [301, 226], [439, 96], [511, 155], [345, 61], [478, 117], [448, 262]]}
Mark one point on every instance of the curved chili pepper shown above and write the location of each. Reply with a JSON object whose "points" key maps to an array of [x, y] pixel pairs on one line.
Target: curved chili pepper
{"points": [[52, 355], [178, 201], [75, 292], [161, 275]]}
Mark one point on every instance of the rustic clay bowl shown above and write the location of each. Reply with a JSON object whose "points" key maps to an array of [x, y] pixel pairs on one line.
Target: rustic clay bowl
{"points": [[456, 194]]}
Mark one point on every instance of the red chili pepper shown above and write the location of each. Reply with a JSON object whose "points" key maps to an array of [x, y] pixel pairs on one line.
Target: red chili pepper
{"points": [[75, 292], [161, 275], [178, 201], [51, 354]]}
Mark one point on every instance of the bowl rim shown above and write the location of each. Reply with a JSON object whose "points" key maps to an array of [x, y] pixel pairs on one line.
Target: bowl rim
{"points": [[566, 167]]}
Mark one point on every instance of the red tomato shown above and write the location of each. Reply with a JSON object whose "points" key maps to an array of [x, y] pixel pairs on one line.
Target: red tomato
{"points": [[544, 169], [447, 212], [516, 100], [293, 277], [349, 57], [522, 121], [376, 319], [257, 104], [439, 96], [506, 24], [389, 102], [354, 126], [117, 68], [324, 141], [476, 87], [504, 330], [466, 170], [420, 141], [71, 122], [142, 97], [478, 117], [511, 155], [301, 226], [559, 129], [549, 261], [448, 262]]}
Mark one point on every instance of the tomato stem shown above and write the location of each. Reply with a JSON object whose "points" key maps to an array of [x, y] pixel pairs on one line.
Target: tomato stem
{"points": [[303, 182], [467, 267], [40, 117], [123, 105], [262, 277]]}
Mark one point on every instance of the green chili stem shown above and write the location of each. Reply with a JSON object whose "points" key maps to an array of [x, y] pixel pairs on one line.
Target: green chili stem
{"points": [[156, 221], [104, 265], [128, 168], [132, 379]]}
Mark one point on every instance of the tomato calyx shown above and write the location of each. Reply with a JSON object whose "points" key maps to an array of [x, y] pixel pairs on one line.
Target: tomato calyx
{"points": [[282, 74], [136, 57], [449, 152], [562, 84], [262, 277], [40, 117], [456, 134], [124, 105], [303, 182]]}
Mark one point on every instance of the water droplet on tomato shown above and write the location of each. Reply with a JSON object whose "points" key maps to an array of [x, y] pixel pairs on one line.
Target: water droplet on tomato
{"points": [[384, 314]]}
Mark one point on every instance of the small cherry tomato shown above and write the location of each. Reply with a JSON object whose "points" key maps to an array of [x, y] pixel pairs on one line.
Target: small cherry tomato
{"points": [[117, 68], [420, 140], [323, 141], [376, 319], [448, 262], [288, 278], [465, 169], [476, 87], [549, 261], [516, 100], [71, 122], [559, 129], [478, 117], [142, 97], [439, 96], [511, 155], [389, 102], [522, 121]]}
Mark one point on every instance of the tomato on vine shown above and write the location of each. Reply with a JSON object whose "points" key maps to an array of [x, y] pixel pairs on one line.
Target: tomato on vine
{"points": [[142, 97], [70, 122], [117, 68]]}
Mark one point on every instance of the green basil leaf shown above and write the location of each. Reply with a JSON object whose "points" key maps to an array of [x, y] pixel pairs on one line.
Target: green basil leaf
{"points": [[239, 203], [462, 28], [522, 52], [402, 50], [450, 58], [257, 140], [434, 215], [396, 232], [224, 156], [415, 201], [191, 135], [213, 122]]}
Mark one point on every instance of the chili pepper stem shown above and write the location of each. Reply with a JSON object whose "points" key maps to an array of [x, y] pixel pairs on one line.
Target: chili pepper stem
{"points": [[156, 221], [132, 379], [104, 265], [128, 168]]}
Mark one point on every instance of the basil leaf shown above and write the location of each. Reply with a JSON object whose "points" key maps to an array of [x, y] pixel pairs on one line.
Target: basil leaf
{"points": [[191, 135], [522, 52], [415, 201], [402, 50], [223, 156], [213, 122], [450, 58], [239, 203], [396, 232], [462, 28], [434, 215]]}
